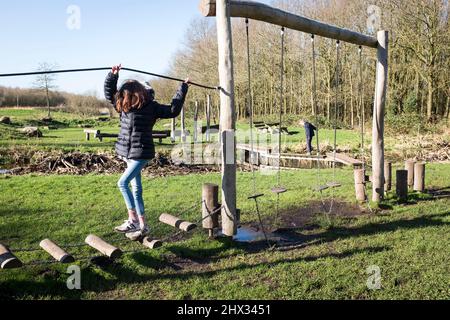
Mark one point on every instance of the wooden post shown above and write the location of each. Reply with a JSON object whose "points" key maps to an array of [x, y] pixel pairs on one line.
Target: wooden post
{"points": [[183, 125], [378, 117], [196, 121], [387, 176], [402, 185], [56, 252], [409, 166], [419, 177], [360, 184], [210, 197], [103, 247], [173, 130], [177, 222], [7, 259], [208, 118], [227, 117]]}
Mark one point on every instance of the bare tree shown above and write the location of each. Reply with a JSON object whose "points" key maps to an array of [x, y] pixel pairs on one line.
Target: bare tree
{"points": [[46, 82]]}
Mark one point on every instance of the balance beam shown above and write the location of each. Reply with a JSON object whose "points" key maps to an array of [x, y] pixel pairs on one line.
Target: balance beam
{"points": [[103, 247], [56, 252], [7, 259], [177, 222]]}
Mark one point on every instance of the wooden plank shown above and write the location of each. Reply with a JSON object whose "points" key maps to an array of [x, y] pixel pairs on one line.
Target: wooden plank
{"points": [[345, 159], [262, 12]]}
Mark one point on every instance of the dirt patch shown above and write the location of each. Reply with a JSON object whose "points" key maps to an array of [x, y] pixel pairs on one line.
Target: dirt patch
{"points": [[305, 217], [85, 163]]}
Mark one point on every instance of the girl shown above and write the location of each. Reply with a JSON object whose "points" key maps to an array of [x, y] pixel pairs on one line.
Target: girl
{"points": [[138, 114]]}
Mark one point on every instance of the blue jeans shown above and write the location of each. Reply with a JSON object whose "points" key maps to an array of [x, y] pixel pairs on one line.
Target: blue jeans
{"points": [[133, 200]]}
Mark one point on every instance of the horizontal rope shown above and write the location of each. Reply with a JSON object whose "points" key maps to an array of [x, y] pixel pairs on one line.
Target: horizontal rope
{"points": [[35, 73]]}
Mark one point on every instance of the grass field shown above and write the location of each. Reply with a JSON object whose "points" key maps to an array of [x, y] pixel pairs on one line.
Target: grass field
{"points": [[409, 243]]}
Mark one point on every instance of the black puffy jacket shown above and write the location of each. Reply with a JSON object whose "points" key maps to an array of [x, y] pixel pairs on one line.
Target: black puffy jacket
{"points": [[135, 138]]}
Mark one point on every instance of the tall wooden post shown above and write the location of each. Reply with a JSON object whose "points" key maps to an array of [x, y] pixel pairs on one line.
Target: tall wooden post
{"points": [[208, 118], [387, 176], [378, 117], [196, 121], [419, 177], [173, 129], [183, 125], [227, 117], [409, 166]]}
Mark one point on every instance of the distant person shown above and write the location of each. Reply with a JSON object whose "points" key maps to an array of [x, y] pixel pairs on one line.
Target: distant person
{"points": [[309, 130], [138, 114]]}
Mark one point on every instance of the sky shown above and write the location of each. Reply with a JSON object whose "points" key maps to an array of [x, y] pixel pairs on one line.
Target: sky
{"points": [[140, 34]]}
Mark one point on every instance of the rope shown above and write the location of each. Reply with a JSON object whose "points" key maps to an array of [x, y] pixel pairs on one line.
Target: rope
{"points": [[101, 69]]}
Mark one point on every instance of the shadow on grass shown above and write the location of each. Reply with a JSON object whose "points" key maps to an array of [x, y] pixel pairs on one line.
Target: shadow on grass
{"points": [[53, 285]]}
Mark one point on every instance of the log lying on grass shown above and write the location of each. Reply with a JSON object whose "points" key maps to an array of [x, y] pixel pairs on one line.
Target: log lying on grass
{"points": [[103, 247], [177, 222], [7, 259], [56, 252], [152, 244]]}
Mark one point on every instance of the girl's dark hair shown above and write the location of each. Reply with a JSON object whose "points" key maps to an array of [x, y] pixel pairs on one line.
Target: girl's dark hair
{"points": [[132, 95]]}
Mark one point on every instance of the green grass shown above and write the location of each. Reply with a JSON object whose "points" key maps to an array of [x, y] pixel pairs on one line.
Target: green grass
{"points": [[408, 242]]}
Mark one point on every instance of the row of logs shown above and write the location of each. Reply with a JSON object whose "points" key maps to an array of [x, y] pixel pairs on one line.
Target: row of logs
{"points": [[412, 177]]}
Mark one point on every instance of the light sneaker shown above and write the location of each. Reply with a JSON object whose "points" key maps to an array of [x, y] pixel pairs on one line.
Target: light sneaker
{"points": [[140, 234], [127, 226]]}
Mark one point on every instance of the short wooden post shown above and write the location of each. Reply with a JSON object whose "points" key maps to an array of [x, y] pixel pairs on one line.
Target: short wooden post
{"points": [[419, 177], [177, 222], [88, 136], [103, 247], [360, 184], [56, 252], [210, 197], [402, 185], [409, 166], [151, 244], [387, 176], [7, 259]]}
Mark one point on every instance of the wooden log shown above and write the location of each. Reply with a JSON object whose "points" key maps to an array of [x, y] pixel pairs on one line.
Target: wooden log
{"points": [[419, 177], [409, 166], [196, 121], [262, 12], [402, 185], [378, 118], [7, 259], [227, 117], [177, 222], [56, 252], [360, 184], [151, 244], [210, 197], [387, 176], [103, 247]]}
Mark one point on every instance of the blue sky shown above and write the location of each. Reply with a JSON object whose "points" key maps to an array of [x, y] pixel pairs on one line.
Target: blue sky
{"points": [[141, 34]]}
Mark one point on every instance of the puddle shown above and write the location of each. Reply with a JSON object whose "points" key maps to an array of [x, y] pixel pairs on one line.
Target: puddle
{"points": [[3, 171], [248, 235]]}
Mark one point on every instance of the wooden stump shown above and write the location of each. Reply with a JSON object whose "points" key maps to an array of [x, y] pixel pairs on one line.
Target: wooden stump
{"points": [[419, 177], [56, 252], [177, 222], [210, 197], [103, 247], [7, 259], [152, 244], [402, 185], [360, 184], [409, 166], [387, 176]]}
